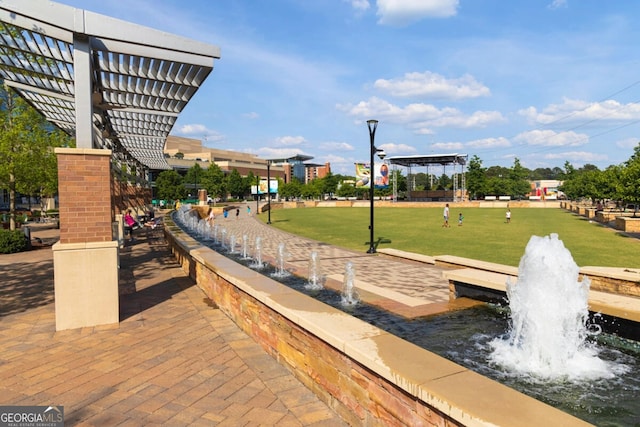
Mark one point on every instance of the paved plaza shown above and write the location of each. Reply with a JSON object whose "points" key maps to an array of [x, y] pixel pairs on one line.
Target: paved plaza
{"points": [[174, 359]]}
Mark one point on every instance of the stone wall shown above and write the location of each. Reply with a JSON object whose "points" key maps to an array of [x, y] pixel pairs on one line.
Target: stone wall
{"points": [[366, 375]]}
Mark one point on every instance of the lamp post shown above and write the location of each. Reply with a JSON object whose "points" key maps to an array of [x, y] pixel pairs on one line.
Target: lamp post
{"points": [[372, 124], [269, 191], [257, 194]]}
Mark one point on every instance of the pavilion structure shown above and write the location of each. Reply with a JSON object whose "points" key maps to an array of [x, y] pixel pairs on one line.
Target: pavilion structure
{"points": [[118, 88], [454, 160]]}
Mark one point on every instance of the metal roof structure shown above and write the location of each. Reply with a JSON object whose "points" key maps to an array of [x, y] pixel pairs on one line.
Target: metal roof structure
{"points": [[110, 83], [431, 159]]}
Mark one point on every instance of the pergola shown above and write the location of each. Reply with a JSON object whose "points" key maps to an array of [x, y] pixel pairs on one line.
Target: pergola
{"points": [[443, 160], [112, 84], [118, 88]]}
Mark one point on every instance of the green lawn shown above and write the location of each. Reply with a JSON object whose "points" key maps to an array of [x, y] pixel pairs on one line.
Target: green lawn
{"points": [[484, 235]]}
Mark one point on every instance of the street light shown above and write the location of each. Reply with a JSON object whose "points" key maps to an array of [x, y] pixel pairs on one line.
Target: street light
{"points": [[269, 191], [257, 194], [372, 124]]}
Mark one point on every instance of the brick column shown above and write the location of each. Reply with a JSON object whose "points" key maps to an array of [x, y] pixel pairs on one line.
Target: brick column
{"points": [[85, 260], [84, 179]]}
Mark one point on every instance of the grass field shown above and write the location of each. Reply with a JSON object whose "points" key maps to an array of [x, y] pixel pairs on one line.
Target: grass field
{"points": [[484, 234]]}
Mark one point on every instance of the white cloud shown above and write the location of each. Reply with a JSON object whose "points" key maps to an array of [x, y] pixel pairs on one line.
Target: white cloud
{"points": [[359, 5], [335, 159], [549, 138], [433, 85], [199, 131], [583, 112], [392, 148], [489, 143], [251, 115], [557, 4], [336, 146], [421, 117], [278, 153], [448, 146], [628, 143], [404, 12], [290, 140], [580, 156]]}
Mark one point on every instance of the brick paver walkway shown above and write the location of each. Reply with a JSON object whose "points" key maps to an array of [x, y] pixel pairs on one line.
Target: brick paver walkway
{"points": [[174, 359]]}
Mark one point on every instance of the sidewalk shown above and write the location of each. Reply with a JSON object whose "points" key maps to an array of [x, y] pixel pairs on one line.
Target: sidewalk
{"points": [[174, 358]]}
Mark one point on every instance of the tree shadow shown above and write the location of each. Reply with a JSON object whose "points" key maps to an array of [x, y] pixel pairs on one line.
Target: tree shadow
{"points": [[26, 285]]}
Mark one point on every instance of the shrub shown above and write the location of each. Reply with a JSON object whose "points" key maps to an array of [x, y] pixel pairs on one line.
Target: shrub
{"points": [[12, 241]]}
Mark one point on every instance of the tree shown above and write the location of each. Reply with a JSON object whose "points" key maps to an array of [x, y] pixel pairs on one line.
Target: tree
{"points": [[170, 185], [214, 181], [248, 181], [329, 183], [290, 190], [28, 162], [520, 186], [630, 179], [312, 190], [193, 179], [235, 184], [476, 179]]}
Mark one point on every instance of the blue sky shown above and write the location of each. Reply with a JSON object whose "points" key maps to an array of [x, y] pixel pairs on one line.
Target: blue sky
{"points": [[545, 81]]}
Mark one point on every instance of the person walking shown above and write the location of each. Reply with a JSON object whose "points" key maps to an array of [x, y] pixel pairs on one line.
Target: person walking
{"points": [[248, 210], [446, 216], [237, 213]]}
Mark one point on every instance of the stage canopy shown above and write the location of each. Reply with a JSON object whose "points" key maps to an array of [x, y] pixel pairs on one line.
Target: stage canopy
{"points": [[459, 185], [431, 159], [112, 84]]}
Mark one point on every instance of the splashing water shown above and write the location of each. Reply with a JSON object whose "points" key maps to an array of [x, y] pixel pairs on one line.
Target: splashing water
{"points": [[281, 271], [216, 229], [315, 281], [257, 255], [245, 246], [349, 293], [232, 244], [549, 311], [223, 238]]}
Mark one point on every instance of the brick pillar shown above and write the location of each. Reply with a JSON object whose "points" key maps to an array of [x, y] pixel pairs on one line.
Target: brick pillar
{"points": [[84, 178], [85, 260]]}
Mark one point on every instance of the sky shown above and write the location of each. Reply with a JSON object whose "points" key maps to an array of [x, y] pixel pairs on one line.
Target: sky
{"points": [[546, 82]]}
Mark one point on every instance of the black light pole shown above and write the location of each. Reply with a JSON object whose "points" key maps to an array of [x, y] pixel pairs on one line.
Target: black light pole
{"points": [[269, 191], [372, 124], [257, 194]]}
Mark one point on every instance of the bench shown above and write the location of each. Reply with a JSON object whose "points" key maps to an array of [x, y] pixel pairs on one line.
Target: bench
{"points": [[452, 261]]}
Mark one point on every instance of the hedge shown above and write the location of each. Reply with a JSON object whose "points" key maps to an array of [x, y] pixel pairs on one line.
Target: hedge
{"points": [[12, 241]]}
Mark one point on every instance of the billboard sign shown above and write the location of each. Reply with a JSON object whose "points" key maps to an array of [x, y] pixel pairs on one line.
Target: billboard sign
{"points": [[363, 175], [262, 188]]}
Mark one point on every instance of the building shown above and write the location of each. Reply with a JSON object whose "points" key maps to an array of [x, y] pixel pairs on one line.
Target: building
{"points": [[189, 150]]}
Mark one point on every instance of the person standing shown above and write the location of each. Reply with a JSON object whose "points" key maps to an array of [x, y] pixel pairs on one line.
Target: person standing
{"points": [[508, 216], [237, 213], [446, 215], [460, 218], [248, 210], [129, 223]]}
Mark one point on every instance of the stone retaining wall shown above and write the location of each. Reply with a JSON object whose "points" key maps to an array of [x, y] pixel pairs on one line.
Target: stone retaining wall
{"points": [[366, 375]]}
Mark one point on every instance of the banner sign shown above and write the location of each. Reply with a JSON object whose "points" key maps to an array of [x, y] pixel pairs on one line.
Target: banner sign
{"points": [[363, 175], [262, 188]]}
